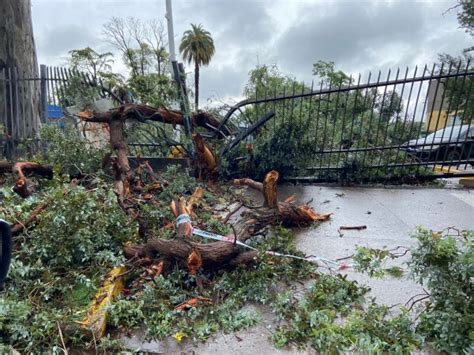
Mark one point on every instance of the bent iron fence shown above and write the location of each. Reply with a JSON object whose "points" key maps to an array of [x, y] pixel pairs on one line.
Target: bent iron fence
{"points": [[380, 129], [349, 129]]}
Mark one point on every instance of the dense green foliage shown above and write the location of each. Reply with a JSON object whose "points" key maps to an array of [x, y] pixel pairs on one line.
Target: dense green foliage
{"points": [[66, 151], [444, 263], [58, 263], [331, 318]]}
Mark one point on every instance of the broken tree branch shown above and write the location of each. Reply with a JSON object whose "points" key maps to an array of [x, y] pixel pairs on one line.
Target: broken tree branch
{"points": [[18, 227], [24, 186], [161, 114]]}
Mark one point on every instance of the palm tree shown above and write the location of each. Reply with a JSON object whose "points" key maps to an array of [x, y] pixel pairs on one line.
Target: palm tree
{"points": [[197, 46]]}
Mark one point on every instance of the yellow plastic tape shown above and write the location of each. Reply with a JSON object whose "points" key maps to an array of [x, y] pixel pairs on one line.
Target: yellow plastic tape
{"points": [[96, 318]]}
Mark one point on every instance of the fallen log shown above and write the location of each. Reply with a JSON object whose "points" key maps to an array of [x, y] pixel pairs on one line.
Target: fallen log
{"points": [[286, 212], [249, 182]]}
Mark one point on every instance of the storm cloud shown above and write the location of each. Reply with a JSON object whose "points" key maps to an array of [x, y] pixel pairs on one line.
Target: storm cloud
{"points": [[357, 35]]}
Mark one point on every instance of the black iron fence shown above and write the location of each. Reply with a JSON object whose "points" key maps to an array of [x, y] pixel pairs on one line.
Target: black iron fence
{"points": [[19, 108], [27, 102], [402, 126]]}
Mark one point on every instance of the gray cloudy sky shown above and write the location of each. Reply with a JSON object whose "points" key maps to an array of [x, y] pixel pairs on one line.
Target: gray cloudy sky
{"points": [[358, 35]]}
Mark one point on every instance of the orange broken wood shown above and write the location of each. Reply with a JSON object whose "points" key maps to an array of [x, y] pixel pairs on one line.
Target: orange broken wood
{"points": [[270, 189], [155, 270], [206, 160], [194, 199], [193, 302], [194, 261]]}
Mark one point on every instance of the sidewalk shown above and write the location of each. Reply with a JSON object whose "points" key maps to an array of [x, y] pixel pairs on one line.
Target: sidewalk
{"points": [[391, 215]]}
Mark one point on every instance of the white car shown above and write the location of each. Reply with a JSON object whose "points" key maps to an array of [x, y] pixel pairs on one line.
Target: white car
{"points": [[449, 144]]}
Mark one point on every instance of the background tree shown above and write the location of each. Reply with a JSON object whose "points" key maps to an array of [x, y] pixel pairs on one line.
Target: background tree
{"points": [[459, 95], [465, 15], [17, 50], [197, 46], [89, 61], [98, 68], [328, 75], [142, 46]]}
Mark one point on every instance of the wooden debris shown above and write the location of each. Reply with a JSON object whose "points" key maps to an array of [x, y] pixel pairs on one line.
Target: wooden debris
{"points": [[148, 113], [206, 161], [359, 228], [192, 303], [217, 255], [24, 186], [194, 261]]}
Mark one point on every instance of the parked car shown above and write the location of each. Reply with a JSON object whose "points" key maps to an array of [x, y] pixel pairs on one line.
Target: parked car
{"points": [[449, 144]]}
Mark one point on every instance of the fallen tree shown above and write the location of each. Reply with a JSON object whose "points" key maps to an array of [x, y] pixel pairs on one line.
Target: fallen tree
{"points": [[205, 161], [228, 254], [138, 189]]}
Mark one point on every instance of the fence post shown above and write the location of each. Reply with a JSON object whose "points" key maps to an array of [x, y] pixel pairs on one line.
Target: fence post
{"points": [[44, 93]]}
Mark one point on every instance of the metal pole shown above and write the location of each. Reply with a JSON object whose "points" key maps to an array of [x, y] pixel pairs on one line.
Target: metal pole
{"points": [[44, 93], [183, 98], [169, 19]]}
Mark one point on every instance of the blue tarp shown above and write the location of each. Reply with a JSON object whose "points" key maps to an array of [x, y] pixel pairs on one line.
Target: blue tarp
{"points": [[55, 111]]}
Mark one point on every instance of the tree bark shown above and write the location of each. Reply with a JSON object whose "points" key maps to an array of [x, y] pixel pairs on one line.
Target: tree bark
{"points": [[196, 85], [18, 60]]}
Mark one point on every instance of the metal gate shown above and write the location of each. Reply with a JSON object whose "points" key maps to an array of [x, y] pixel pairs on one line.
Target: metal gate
{"points": [[404, 126], [19, 108], [28, 102]]}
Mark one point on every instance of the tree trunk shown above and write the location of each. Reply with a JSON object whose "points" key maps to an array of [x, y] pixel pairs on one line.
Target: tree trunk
{"points": [[196, 85], [19, 99]]}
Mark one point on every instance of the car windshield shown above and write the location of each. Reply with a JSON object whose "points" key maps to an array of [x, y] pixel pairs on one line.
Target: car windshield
{"points": [[453, 132]]}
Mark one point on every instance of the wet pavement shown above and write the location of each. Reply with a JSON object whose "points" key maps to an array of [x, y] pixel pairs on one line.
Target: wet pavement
{"points": [[390, 214]]}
